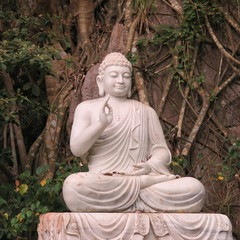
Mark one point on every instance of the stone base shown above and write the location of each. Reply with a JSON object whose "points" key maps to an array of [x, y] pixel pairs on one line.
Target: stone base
{"points": [[134, 226]]}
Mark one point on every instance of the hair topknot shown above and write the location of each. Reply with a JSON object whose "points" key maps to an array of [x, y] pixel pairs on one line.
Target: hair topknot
{"points": [[114, 58]]}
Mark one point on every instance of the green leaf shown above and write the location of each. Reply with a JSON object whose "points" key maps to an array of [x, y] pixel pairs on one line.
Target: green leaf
{"points": [[3, 67], [67, 44], [23, 211], [23, 188], [27, 86], [35, 90], [13, 221], [235, 155], [25, 174], [24, 228], [2, 201], [57, 56], [41, 170], [37, 204], [44, 209], [33, 207], [29, 213]]}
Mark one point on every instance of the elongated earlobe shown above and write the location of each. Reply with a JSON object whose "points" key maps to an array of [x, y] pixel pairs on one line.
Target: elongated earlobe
{"points": [[129, 92], [101, 91]]}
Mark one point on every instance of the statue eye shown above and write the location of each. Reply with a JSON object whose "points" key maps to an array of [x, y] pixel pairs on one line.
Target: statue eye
{"points": [[126, 76], [113, 74]]}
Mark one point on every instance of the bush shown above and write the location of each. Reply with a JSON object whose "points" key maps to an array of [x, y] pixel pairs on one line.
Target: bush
{"points": [[23, 201]]}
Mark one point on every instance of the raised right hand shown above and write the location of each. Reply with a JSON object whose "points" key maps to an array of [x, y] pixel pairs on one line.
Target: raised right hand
{"points": [[106, 117]]}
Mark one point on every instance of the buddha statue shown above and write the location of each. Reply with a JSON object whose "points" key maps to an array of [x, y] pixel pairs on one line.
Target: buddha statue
{"points": [[128, 157]]}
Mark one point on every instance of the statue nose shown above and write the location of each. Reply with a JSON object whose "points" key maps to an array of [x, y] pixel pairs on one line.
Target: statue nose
{"points": [[120, 79]]}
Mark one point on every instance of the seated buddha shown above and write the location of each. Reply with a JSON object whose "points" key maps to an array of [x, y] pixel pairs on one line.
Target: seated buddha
{"points": [[128, 157]]}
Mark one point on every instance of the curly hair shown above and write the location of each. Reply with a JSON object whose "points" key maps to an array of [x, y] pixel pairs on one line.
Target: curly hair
{"points": [[114, 58]]}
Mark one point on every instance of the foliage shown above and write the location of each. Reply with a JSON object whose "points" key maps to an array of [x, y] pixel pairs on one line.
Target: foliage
{"points": [[187, 31], [26, 45], [231, 164], [131, 57], [142, 5], [26, 50], [26, 54], [31, 195], [6, 156], [179, 165]]}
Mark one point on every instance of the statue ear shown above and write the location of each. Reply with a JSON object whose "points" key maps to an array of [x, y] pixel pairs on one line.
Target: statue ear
{"points": [[101, 91]]}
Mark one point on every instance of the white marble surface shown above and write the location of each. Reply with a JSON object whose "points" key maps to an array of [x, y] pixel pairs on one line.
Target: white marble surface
{"points": [[127, 152], [128, 174], [134, 226]]}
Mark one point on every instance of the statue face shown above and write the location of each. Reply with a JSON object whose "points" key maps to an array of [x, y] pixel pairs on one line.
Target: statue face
{"points": [[117, 81]]}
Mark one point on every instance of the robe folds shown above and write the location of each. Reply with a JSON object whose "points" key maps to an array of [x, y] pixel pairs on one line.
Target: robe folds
{"points": [[130, 139]]}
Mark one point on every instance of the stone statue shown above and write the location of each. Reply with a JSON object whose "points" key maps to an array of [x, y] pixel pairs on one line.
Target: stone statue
{"points": [[127, 152], [128, 192]]}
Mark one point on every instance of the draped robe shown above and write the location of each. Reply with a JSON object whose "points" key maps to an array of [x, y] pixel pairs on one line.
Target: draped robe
{"points": [[132, 138]]}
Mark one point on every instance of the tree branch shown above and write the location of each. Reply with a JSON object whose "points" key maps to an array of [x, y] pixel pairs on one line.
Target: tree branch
{"points": [[217, 123], [165, 94], [13, 147], [139, 81], [33, 150], [202, 114], [183, 109], [197, 125], [236, 70], [5, 136], [128, 14], [174, 4], [16, 126], [182, 113], [52, 159], [217, 89], [230, 19], [54, 127], [217, 42], [7, 171], [132, 32]]}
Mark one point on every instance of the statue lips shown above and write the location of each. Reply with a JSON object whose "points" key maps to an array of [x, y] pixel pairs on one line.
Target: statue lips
{"points": [[121, 87]]}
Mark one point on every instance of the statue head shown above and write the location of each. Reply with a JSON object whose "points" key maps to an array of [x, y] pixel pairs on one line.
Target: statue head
{"points": [[112, 59]]}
